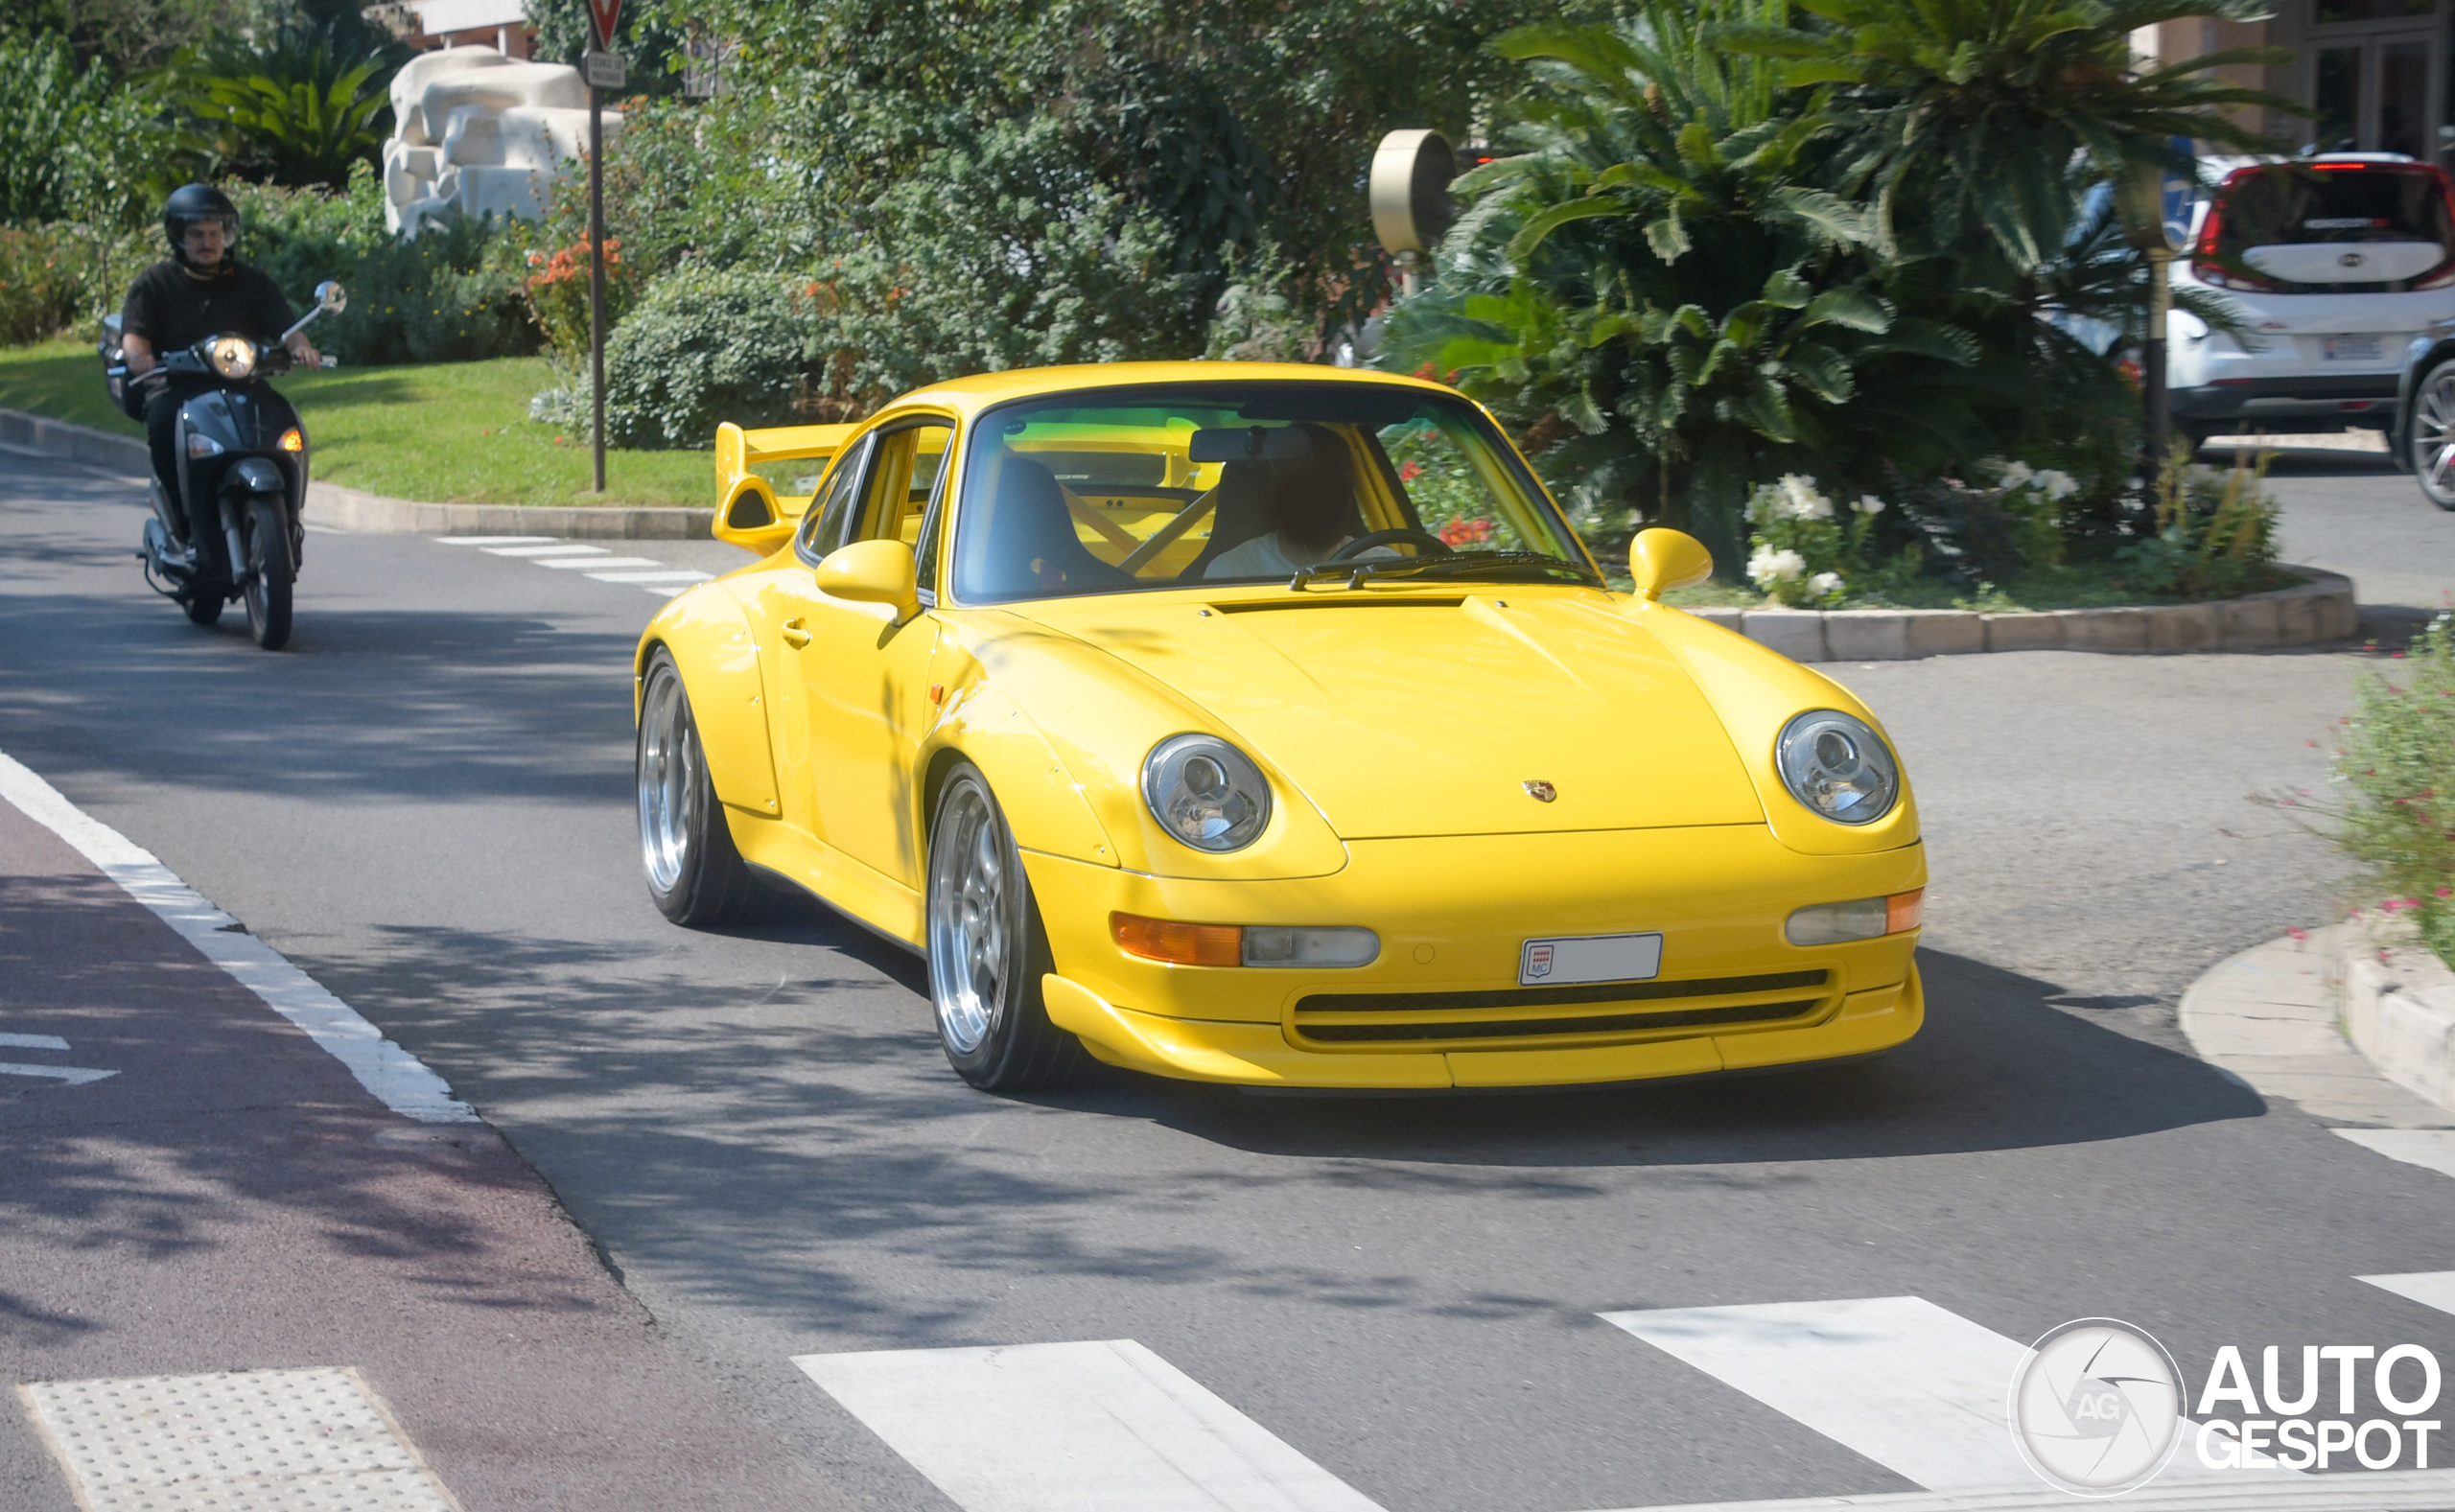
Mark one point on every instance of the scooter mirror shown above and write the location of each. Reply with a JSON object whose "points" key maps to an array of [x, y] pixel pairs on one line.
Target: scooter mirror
{"points": [[331, 297]]}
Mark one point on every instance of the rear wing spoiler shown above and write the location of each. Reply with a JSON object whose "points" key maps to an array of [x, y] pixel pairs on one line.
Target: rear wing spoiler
{"points": [[750, 512]]}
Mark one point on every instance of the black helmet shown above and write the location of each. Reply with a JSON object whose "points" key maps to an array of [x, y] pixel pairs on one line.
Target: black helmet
{"points": [[192, 204]]}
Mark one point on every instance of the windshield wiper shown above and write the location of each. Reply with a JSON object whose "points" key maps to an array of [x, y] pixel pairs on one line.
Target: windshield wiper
{"points": [[1358, 573]]}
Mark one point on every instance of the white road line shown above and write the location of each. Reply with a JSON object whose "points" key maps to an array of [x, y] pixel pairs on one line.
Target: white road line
{"points": [[1920, 1390], [2431, 1149], [494, 540], [1102, 1427], [31, 1042], [74, 1076], [2368, 1491], [263, 1440], [589, 564], [399, 1078], [2428, 1288], [530, 552], [671, 574]]}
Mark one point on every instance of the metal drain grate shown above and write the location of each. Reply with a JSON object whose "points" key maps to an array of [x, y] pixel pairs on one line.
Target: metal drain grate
{"points": [[244, 1441]]}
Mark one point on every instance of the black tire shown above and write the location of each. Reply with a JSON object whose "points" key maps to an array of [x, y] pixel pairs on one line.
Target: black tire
{"points": [[2430, 435], [203, 605], [695, 876], [263, 530], [987, 950]]}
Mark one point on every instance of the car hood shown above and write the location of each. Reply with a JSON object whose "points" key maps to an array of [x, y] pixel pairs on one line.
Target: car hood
{"points": [[1413, 714]]}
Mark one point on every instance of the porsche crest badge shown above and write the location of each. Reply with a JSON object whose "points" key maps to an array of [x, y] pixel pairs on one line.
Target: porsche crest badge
{"points": [[1540, 791]]}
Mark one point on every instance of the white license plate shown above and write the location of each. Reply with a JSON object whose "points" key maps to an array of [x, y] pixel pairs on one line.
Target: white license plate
{"points": [[1589, 958], [2353, 349]]}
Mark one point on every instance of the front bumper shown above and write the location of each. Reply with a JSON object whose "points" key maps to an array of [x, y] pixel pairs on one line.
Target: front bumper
{"points": [[1441, 1006]]}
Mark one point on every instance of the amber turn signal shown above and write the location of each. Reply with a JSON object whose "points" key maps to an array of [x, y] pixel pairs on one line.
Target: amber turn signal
{"points": [[291, 440], [1179, 943], [1902, 911]]}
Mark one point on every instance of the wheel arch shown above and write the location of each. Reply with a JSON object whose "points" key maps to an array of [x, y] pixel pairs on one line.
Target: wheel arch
{"points": [[1047, 811], [716, 657], [2401, 439]]}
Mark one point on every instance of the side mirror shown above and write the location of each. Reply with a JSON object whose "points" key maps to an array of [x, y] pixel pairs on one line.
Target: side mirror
{"points": [[331, 297], [873, 572], [1661, 560]]}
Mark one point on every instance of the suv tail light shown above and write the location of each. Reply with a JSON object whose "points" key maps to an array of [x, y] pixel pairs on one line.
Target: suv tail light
{"points": [[2204, 264]]}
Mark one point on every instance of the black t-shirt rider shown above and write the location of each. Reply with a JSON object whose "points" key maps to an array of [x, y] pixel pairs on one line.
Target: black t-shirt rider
{"points": [[171, 308]]}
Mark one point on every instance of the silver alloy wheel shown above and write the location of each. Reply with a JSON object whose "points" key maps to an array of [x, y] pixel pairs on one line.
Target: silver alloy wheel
{"points": [[967, 911], [2433, 438], [668, 779]]}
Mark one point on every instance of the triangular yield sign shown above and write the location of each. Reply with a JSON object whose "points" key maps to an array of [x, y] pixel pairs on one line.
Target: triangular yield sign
{"points": [[605, 12]]}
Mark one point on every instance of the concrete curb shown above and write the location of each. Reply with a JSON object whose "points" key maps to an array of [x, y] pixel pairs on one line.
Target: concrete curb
{"points": [[2399, 1006], [349, 509], [2319, 608], [2274, 1017]]}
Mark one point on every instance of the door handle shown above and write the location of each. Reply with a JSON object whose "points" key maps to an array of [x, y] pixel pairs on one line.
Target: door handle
{"points": [[796, 632]]}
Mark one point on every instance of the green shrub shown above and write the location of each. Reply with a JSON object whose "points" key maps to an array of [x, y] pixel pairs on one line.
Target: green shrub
{"points": [[38, 285], [998, 255], [704, 345], [73, 146], [2209, 532], [450, 295], [1805, 550], [2398, 760]]}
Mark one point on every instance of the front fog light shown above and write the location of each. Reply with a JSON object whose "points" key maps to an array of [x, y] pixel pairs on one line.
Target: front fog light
{"points": [[1859, 918], [1205, 791], [1838, 766], [1273, 945]]}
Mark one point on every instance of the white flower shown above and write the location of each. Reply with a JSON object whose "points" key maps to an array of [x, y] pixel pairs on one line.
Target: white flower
{"points": [[1801, 501], [1824, 584], [1768, 565], [1868, 504], [2058, 486], [2017, 475]]}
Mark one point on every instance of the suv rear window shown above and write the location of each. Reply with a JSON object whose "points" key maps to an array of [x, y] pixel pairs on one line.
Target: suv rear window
{"points": [[2298, 203]]}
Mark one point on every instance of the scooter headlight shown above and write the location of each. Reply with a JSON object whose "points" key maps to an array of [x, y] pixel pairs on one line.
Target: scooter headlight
{"points": [[234, 356]]}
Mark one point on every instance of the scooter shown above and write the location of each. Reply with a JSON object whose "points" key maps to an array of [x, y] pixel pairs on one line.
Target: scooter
{"points": [[244, 449]]}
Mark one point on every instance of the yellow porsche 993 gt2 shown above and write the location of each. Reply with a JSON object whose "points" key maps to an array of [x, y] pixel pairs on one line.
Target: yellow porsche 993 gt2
{"points": [[1267, 725]]}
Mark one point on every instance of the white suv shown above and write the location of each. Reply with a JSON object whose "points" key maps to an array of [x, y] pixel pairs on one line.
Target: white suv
{"points": [[2338, 262]]}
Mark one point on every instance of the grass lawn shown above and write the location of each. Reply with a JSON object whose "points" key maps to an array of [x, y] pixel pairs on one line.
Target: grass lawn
{"points": [[449, 432]]}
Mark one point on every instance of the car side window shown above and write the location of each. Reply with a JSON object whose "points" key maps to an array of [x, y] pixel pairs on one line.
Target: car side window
{"points": [[896, 494], [830, 514]]}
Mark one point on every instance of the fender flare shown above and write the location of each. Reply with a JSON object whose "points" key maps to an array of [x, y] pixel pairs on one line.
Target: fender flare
{"points": [[1045, 809], [713, 648]]}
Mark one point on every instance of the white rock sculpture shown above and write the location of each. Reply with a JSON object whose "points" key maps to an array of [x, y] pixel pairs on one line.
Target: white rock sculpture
{"points": [[477, 133]]}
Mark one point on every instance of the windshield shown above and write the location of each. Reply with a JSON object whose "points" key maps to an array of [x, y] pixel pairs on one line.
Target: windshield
{"points": [[1121, 489]]}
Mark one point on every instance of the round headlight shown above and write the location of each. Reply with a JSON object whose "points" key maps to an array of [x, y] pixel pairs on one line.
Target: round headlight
{"points": [[1837, 767], [233, 355], [1205, 791]]}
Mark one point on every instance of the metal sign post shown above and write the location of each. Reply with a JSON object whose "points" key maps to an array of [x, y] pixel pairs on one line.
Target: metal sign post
{"points": [[603, 70]]}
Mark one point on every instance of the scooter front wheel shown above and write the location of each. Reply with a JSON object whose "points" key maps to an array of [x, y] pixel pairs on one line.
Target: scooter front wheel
{"points": [[265, 534]]}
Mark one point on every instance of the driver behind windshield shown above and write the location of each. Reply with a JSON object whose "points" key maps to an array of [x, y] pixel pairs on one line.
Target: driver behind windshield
{"points": [[1309, 507], [203, 291]]}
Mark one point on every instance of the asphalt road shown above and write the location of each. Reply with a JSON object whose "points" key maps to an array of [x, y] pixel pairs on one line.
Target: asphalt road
{"points": [[426, 804]]}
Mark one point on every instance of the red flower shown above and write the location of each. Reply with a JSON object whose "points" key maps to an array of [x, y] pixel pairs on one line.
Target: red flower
{"points": [[1410, 471]]}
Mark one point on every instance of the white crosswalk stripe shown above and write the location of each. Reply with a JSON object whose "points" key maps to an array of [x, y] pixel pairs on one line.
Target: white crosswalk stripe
{"points": [[1110, 1427], [1102, 1427], [2428, 1288], [2430, 1148], [597, 563]]}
